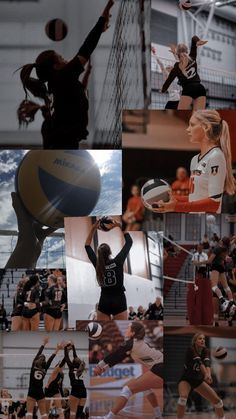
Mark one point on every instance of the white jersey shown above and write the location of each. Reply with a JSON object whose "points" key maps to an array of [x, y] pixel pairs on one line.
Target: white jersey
{"points": [[139, 351], [200, 257], [208, 175]]}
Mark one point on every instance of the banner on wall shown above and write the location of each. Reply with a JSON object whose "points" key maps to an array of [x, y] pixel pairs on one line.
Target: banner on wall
{"points": [[116, 376]]}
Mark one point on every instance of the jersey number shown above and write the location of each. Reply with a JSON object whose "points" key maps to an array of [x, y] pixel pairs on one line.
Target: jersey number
{"points": [[110, 278], [58, 295], [191, 73], [38, 375]]}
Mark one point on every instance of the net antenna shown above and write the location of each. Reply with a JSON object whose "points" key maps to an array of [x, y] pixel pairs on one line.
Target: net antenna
{"points": [[194, 270]]}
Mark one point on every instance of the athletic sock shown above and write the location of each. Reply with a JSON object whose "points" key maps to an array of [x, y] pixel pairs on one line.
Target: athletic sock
{"points": [[157, 412]]}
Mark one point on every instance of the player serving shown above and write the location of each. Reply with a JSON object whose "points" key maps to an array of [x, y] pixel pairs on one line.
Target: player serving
{"points": [[211, 173]]}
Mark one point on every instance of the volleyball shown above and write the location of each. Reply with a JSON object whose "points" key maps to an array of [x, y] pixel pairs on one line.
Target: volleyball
{"points": [[220, 352], [155, 190], [53, 184], [56, 29], [185, 4], [210, 219], [95, 330], [105, 224]]}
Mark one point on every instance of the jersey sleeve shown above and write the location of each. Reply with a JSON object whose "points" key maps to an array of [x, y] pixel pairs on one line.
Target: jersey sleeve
{"points": [[169, 80], [217, 173], [39, 352], [122, 255], [206, 357], [193, 50], [91, 255], [117, 356], [49, 361]]}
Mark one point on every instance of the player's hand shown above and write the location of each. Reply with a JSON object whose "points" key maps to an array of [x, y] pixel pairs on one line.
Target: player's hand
{"points": [[96, 224], [162, 207], [172, 49], [59, 346], [45, 340], [98, 370], [117, 223], [106, 14], [62, 308], [153, 49], [201, 42], [208, 379]]}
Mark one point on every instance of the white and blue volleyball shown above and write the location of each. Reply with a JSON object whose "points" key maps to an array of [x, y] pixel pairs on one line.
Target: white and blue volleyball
{"points": [[94, 330], [155, 190], [53, 184]]}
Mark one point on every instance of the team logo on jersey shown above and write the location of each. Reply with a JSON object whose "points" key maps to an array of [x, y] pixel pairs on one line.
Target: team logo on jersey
{"points": [[214, 170], [197, 172]]}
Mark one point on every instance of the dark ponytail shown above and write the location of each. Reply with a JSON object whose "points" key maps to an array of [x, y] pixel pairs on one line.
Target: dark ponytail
{"points": [[104, 252], [138, 329], [27, 109]]}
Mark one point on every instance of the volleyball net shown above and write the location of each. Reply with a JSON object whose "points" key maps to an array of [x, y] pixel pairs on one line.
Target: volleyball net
{"points": [[220, 86], [179, 275], [127, 79]]}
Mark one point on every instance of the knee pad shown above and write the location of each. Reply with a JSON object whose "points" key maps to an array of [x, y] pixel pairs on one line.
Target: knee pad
{"points": [[72, 413], [227, 289], [148, 392], [214, 288], [182, 401], [126, 392], [29, 414], [219, 404], [44, 415]]}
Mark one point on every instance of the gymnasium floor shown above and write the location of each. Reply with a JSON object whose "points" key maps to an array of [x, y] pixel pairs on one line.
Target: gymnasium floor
{"points": [[138, 407]]}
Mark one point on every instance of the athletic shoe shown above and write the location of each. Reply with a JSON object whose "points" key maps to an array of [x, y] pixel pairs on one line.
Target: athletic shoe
{"points": [[224, 305]]}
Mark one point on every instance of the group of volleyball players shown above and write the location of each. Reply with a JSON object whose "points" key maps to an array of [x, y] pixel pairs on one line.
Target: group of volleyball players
{"points": [[48, 395], [220, 260], [32, 300]]}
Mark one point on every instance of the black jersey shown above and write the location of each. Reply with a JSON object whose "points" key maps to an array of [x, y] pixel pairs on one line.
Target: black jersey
{"points": [[20, 408], [139, 351], [76, 376], [194, 360], [55, 386], [31, 295], [54, 297], [220, 255], [113, 280], [154, 312], [18, 304], [37, 374], [191, 71], [70, 101]]}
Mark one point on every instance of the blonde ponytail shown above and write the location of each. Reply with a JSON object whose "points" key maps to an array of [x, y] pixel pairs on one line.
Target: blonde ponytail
{"points": [[226, 148], [218, 133]]}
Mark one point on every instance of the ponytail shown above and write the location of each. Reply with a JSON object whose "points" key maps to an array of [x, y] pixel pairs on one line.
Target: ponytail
{"points": [[218, 133], [226, 148], [104, 252]]}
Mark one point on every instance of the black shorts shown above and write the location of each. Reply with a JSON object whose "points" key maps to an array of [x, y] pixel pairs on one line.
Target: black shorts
{"points": [[194, 90], [28, 314], [56, 313], [218, 268], [158, 369], [79, 391], [37, 394], [172, 104], [51, 391], [112, 304], [193, 381]]}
